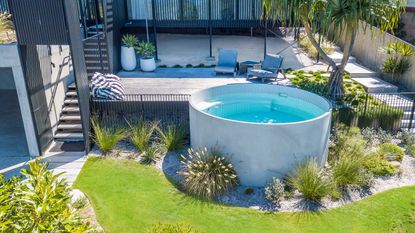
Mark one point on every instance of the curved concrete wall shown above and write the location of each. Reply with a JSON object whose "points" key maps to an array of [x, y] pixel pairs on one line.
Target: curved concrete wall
{"points": [[261, 151]]}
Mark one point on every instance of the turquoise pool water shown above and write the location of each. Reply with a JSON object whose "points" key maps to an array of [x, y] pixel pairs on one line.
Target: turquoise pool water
{"points": [[261, 108]]}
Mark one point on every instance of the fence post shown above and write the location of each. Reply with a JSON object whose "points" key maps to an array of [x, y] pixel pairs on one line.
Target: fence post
{"points": [[364, 111], [412, 114]]}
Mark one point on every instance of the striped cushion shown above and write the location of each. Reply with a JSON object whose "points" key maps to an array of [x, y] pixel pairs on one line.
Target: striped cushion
{"points": [[107, 87]]}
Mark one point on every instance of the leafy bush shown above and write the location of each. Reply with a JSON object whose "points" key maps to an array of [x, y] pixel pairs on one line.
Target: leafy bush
{"points": [[106, 137], [376, 136], [151, 154], [38, 203], [398, 60], [311, 181], [141, 133], [410, 149], [275, 190], [407, 137], [170, 228], [173, 137], [207, 174], [6, 23], [146, 49], [346, 142], [129, 40], [391, 152], [379, 166]]}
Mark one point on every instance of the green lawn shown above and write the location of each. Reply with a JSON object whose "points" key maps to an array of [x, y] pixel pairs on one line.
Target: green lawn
{"points": [[129, 197]]}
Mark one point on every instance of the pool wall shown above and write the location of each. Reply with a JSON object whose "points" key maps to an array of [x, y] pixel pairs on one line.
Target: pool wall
{"points": [[261, 151]]}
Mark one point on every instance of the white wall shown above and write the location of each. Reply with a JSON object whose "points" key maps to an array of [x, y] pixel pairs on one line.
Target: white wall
{"points": [[9, 58]]}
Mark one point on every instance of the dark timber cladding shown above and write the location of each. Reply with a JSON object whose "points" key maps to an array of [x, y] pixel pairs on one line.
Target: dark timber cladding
{"points": [[40, 23]]}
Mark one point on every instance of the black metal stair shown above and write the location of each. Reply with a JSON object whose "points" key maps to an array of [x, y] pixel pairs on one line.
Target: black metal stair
{"points": [[69, 128], [96, 55]]}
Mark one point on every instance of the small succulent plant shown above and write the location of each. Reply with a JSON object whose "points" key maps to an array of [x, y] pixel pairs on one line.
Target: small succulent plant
{"points": [[207, 174]]}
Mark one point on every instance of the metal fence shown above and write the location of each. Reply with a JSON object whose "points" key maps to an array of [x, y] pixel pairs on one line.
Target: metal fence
{"points": [[390, 111], [168, 109], [4, 6]]}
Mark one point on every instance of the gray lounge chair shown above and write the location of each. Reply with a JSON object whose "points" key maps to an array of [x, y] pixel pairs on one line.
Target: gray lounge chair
{"points": [[227, 63], [270, 67]]}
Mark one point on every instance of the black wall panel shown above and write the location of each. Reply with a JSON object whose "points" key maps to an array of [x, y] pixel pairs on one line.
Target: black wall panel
{"points": [[39, 22], [78, 61]]}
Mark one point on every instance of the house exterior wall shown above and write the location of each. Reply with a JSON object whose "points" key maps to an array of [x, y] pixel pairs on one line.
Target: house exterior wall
{"points": [[9, 58]]}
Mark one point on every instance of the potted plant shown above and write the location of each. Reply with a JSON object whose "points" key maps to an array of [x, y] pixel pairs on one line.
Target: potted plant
{"points": [[398, 60], [146, 50], [128, 57]]}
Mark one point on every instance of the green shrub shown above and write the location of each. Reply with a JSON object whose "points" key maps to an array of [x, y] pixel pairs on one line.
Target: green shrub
{"points": [[249, 191], [310, 180], [152, 153], [398, 60], [189, 66], [106, 137], [407, 137], [346, 142], [173, 136], [141, 134], [6, 23], [379, 166], [170, 228], [129, 40], [376, 136], [38, 203], [391, 152], [275, 190], [207, 174], [410, 149], [177, 66]]}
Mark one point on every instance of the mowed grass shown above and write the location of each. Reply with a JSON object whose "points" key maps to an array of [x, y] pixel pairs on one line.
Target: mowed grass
{"points": [[129, 197]]}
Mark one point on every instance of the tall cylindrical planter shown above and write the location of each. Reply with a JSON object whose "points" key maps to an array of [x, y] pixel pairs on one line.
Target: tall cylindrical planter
{"points": [[128, 58], [147, 64]]}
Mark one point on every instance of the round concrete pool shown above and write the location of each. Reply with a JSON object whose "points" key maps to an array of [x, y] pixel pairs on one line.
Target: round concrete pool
{"points": [[265, 130]]}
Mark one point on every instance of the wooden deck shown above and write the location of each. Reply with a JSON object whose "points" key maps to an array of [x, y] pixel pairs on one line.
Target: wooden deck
{"points": [[176, 81]]}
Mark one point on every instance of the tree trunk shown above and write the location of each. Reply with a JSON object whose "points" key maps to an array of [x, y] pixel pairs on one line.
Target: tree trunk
{"points": [[336, 78], [313, 41]]}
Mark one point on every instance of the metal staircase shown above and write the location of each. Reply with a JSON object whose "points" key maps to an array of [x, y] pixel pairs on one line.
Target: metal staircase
{"points": [[69, 128], [96, 54]]}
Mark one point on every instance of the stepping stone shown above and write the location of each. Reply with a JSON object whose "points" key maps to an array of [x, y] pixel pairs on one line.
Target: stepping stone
{"points": [[376, 85], [359, 71]]}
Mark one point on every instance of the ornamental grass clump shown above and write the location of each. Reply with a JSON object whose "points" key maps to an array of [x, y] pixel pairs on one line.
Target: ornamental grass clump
{"points": [[152, 153], [311, 181], [106, 137], [141, 134], [207, 174], [348, 170], [173, 136], [391, 152]]}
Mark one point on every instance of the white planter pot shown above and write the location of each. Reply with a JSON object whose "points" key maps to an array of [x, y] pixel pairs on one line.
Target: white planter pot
{"points": [[147, 65], [128, 58]]}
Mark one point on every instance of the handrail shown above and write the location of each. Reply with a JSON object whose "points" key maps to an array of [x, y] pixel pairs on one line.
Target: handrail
{"points": [[65, 62]]}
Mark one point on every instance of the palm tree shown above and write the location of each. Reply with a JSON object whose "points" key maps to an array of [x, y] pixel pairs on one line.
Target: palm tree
{"points": [[340, 17]]}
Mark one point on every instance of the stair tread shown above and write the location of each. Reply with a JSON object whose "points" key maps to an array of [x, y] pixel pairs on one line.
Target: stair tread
{"points": [[62, 135], [71, 93], [70, 117], [69, 126], [70, 109], [71, 101]]}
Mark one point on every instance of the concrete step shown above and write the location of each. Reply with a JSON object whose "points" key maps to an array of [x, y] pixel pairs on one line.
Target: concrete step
{"points": [[69, 127], [73, 137], [359, 71], [337, 57], [71, 94], [70, 101], [72, 110], [66, 117], [376, 85]]}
